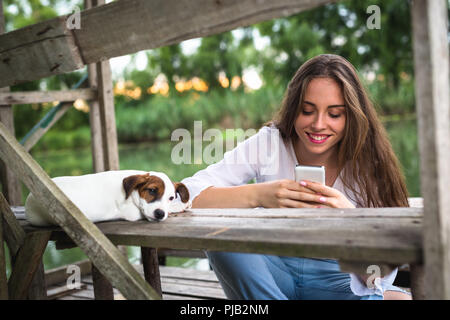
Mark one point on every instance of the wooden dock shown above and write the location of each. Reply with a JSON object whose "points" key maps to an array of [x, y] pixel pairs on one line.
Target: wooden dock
{"points": [[176, 283]]}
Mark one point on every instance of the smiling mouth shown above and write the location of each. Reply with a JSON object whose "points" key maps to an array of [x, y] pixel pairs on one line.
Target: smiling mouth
{"points": [[317, 138]]}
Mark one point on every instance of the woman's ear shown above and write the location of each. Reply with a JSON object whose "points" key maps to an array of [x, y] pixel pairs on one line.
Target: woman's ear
{"points": [[182, 190], [132, 182]]}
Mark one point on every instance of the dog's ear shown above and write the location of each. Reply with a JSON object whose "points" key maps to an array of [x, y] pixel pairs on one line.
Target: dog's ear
{"points": [[132, 182], [182, 190]]}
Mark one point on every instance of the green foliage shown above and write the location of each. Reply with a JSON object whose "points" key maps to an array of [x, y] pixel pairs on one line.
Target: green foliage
{"points": [[156, 118]]}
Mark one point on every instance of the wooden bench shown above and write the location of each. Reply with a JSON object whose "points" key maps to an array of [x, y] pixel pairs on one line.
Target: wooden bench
{"points": [[387, 237]]}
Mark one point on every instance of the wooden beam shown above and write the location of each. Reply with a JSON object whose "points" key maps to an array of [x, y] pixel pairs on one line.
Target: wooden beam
{"points": [[46, 96], [106, 257], [431, 63], [127, 26], [381, 235], [38, 51], [14, 234], [26, 263]]}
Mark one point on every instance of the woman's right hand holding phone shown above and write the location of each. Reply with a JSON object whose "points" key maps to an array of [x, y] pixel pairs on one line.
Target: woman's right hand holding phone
{"points": [[286, 194]]}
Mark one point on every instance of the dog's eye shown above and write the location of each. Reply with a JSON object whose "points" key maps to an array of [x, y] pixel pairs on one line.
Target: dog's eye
{"points": [[152, 191], [171, 198]]}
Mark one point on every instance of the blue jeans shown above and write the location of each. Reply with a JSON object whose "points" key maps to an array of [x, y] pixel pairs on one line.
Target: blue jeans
{"points": [[246, 276]]}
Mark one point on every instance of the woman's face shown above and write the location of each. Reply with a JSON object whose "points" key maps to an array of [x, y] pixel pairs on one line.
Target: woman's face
{"points": [[321, 123]]}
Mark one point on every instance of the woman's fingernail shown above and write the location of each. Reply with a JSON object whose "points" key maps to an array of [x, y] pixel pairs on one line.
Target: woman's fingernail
{"points": [[303, 183], [323, 199]]}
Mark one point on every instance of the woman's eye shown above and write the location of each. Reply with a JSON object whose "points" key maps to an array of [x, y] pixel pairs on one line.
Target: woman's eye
{"points": [[335, 116], [307, 113]]}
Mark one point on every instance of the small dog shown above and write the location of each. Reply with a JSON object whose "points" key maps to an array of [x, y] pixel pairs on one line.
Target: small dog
{"points": [[111, 195]]}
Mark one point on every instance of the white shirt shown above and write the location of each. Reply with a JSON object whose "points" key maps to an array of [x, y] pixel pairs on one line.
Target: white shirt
{"points": [[265, 157]]}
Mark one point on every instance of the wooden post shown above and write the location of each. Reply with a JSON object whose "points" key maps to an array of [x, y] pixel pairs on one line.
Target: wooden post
{"points": [[10, 184], [151, 268], [105, 151], [103, 289], [3, 278], [417, 281], [431, 63], [107, 116], [26, 263], [98, 161], [98, 158]]}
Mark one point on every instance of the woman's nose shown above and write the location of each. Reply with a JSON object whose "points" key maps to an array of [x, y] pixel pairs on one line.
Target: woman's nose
{"points": [[319, 122]]}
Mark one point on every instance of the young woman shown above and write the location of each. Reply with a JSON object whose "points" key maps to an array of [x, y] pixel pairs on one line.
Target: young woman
{"points": [[326, 118]]}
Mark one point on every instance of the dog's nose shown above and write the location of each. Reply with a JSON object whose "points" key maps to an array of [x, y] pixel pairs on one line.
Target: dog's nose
{"points": [[159, 214]]}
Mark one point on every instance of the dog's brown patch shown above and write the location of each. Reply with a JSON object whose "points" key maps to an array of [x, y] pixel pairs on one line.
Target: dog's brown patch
{"points": [[182, 190], [150, 188]]}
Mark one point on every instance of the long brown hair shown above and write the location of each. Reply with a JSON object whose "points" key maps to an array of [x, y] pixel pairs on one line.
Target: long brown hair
{"points": [[372, 171]]}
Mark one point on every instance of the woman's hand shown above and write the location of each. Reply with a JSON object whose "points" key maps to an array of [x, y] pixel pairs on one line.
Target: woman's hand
{"points": [[328, 197], [286, 194]]}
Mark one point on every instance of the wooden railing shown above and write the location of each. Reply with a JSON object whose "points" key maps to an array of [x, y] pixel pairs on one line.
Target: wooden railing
{"points": [[50, 48]]}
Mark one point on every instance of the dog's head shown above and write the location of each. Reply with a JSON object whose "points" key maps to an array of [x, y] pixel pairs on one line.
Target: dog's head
{"points": [[154, 193]]}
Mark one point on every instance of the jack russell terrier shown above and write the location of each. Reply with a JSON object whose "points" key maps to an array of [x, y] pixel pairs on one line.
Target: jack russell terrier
{"points": [[111, 195]]}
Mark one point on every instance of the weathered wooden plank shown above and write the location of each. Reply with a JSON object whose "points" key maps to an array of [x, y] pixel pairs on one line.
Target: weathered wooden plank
{"points": [[417, 276], [106, 257], [49, 48], [10, 185], [14, 234], [103, 289], [98, 161], [3, 278], [38, 288], [163, 252], [60, 275], [390, 240], [26, 263], [98, 158], [27, 97], [62, 291], [38, 51], [107, 116], [189, 290], [187, 274], [431, 63], [182, 282], [151, 268], [396, 213]]}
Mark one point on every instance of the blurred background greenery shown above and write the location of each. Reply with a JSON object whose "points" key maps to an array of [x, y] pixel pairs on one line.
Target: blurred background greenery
{"points": [[234, 79]]}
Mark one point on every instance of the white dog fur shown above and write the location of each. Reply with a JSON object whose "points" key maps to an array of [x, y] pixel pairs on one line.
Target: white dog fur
{"points": [[111, 195]]}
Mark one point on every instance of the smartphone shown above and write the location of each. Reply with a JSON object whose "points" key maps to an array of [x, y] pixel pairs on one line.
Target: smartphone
{"points": [[311, 173]]}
